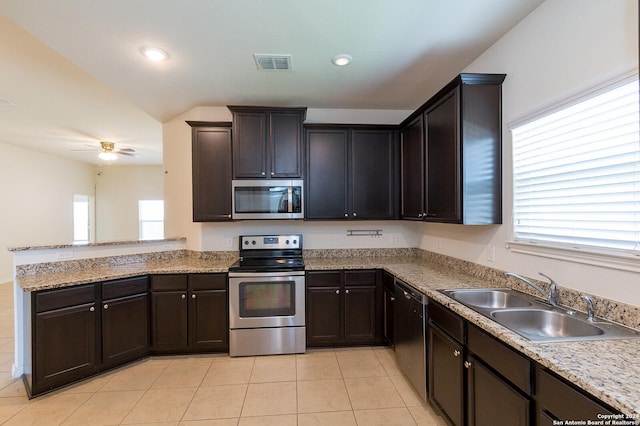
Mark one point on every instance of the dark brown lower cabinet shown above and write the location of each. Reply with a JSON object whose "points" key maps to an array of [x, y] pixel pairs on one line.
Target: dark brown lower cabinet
{"points": [[388, 307], [344, 308], [446, 375], [189, 313], [64, 346]]}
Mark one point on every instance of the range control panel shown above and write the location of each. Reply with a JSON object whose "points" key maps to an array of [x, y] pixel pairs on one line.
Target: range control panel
{"points": [[270, 242]]}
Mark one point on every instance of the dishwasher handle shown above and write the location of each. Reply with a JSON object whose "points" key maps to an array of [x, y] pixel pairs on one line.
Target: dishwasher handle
{"points": [[410, 293]]}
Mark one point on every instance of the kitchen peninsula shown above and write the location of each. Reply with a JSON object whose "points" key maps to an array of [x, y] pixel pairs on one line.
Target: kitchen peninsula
{"points": [[607, 369]]}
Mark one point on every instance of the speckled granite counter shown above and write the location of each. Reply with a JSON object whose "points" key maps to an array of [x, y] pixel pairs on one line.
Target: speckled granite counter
{"points": [[608, 369]]}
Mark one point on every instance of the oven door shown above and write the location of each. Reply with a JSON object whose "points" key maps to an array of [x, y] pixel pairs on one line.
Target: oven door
{"points": [[258, 300]]}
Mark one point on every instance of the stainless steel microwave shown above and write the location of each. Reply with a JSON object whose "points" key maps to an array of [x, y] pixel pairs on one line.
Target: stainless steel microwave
{"points": [[267, 199]]}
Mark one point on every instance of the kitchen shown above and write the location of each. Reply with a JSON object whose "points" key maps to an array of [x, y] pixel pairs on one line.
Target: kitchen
{"points": [[467, 243]]}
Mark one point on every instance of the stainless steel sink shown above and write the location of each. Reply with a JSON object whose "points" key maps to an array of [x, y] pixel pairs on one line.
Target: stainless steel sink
{"points": [[538, 323], [535, 319], [489, 298]]}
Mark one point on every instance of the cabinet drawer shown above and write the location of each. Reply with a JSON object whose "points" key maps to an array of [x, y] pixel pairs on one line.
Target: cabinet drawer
{"points": [[447, 320], [207, 282], [323, 279], [563, 402], [125, 287], [174, 282], [352, 278], [48, 300], [510, 364]]}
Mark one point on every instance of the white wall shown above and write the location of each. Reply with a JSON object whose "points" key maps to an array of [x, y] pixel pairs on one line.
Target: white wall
{"points": [[562, 48], [37, 191], [118, 189]]}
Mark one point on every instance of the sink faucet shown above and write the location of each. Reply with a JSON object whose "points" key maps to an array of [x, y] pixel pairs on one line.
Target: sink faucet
{"points": [[590, 306], [552, 297]]}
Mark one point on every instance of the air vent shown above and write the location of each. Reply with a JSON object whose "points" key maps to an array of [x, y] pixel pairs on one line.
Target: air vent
{"points": [[273, 62]]}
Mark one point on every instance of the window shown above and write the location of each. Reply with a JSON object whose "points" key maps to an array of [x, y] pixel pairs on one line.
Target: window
{"points": [[577, 174], [151, 219], [81, 230]]}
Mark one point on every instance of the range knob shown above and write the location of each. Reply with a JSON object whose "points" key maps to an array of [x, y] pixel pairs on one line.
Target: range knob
{"points": [[287, 242], [246, 243], [253, 242], [295, 241]]}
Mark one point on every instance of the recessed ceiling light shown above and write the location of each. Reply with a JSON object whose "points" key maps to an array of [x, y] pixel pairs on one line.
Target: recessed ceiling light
{"points": [[342, 60], [154, 54]]}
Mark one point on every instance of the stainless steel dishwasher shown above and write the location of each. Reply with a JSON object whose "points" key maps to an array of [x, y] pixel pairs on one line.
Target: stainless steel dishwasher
{"points": [[410, 309]]}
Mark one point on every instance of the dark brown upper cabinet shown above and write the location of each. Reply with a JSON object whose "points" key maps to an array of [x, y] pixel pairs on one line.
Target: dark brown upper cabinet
{"points": [[211, 170], [267, 142], [452, 154], [351, 172]]}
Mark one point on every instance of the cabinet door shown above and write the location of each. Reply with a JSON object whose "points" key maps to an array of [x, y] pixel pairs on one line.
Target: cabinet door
{"points": [[211, 169], [285, 145], [249, 145], [326, 174], [389, 308], [125, 329], [324, 308], [169, 320], [443, 198], [64, 347], [492, 401], [208, 320], [372, 174], [413, 170], [360, 314], [446, 379]]}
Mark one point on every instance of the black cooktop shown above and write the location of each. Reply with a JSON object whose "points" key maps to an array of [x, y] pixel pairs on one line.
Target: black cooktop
{"points": [[268, 265], [269, 253]]}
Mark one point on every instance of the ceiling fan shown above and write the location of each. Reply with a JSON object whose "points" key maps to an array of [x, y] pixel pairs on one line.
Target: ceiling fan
{"points": [[108, 151]]}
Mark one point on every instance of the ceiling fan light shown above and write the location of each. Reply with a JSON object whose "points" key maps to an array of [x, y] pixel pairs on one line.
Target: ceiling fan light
{"points": [[107, 156], [154, 54], [342, 60]]}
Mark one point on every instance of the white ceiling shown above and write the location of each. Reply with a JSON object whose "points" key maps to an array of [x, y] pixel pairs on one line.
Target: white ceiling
{"points": [[73, 74]]}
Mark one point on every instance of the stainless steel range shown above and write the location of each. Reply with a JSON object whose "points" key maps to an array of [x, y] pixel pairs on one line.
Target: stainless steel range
{"points": [[267, 296]]}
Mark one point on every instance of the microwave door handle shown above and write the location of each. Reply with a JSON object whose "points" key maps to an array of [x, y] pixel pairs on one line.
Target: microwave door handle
{"points": [[290, 203]]}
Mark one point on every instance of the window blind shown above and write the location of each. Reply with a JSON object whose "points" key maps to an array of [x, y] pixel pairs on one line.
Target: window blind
{"points": [[577, 174]]}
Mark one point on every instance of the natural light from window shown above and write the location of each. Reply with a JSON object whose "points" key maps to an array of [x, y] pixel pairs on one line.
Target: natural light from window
{"points": [[151, 219], [81, 230], [577, 174]]}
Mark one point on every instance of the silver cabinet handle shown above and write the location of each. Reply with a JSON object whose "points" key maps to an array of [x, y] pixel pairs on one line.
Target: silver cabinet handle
{"points": [[420, 215], [346, 291], [193, 296], [184, 296], [346, 215], [337, 291], [273, 174], [354, 214], [106, 306], [406, 295], [467, 364], [393, 299], [456, 353], [91, 309], [263, 174]]}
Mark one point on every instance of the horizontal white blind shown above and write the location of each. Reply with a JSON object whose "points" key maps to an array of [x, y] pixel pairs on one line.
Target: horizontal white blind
{"points": [[577, 174]]}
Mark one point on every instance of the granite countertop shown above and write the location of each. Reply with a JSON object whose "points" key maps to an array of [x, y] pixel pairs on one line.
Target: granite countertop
{"points": [[95, 244], [608, 369]]}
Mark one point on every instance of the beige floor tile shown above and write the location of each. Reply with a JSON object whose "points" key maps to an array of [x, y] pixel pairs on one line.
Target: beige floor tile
{"points": [[231, 372], [161, 405], [6, 379], [212, 422], [14, 389], [186, 374], [264, 399], [363, 350], [408, 394], [372, 392], [337, 418], [322, 395], [286, 420], [49, 410], [385, 417], [7, 345], [274, 369], [105, 408], [388, 360], [11, 406], [424, 415], [216, 402], [318, 368], [366, 365], [314, 352], [90, 385], [6, 362], [137, 377], [225, 358]]}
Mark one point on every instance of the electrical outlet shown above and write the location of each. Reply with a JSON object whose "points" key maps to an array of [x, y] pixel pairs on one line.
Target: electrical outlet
{"points": [[394, 239], [438, 243], [491, 253], [64, 255], [229, 241], [337, 240]]}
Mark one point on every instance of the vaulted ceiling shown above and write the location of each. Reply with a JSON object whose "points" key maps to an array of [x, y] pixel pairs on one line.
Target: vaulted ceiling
{"points": [[73, 73]]}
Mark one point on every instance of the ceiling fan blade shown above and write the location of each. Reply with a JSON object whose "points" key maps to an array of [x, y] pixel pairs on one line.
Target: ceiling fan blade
{"points": [[127, 150], [127, 153]]}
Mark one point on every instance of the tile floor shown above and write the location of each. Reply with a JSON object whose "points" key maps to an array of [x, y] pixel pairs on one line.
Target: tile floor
{"points": [[360, 386]]}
